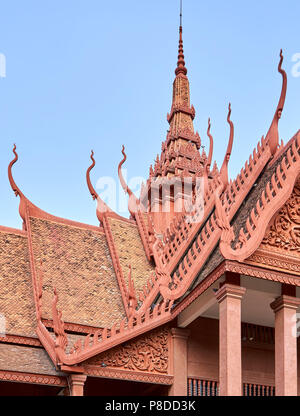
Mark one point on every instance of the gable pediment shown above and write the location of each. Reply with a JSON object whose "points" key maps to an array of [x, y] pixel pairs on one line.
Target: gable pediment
{"points": [[280, 248]]}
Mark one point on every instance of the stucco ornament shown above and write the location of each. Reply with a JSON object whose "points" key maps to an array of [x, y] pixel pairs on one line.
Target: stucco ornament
{"points": [[148, 353], [284, 231]]}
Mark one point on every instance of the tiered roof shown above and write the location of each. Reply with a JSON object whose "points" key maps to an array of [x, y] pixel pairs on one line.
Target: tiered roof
{"points": [[80, 290]]}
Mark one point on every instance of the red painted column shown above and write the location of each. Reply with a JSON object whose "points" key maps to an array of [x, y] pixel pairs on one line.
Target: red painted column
{"points": [[179, 361], [285, 308], [230, 355], [77, 384]]}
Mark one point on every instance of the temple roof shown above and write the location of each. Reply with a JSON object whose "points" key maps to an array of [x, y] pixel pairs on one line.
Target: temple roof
{"points": [[16, 293], [77, 263], [62, 280]]}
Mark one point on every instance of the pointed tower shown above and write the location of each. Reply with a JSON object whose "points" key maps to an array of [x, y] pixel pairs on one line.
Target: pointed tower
{"points": [[174, 173], [180, 149]]}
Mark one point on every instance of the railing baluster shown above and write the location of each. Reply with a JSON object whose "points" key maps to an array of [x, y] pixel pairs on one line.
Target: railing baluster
{"points": [[250, 389], [203, 388]]}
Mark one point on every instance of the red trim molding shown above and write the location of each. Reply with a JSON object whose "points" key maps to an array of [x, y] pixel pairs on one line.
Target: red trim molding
{"points": [[15, 231], [262, 273], [241, 268], [200, 288], [71, 327], [20, 340], [31, 378], [96, 371]]}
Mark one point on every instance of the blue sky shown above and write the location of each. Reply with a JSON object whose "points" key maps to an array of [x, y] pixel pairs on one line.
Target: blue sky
{"points": [[90, 74]]}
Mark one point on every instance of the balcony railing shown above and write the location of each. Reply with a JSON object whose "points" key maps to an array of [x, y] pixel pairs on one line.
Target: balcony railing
{"points": [[207, 388], [202, 387], [258, 390]]}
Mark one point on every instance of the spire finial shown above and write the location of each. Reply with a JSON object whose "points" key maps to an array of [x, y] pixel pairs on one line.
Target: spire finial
{"points": [[180, 13], [181, 69]]}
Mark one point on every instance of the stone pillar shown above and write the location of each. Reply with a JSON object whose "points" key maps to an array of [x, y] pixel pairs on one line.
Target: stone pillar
{"points": [[179, 361], [285, 345], [77, 384], [230, 354]]}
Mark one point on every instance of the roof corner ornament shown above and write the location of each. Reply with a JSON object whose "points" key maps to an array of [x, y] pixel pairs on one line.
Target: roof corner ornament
{"points": [[272, 137], [132, 299], [222, 219], [209, 158], [224, 168], [133, 202], [10, 176], [164, 280], [61, 340], [101, 205], [274, 195], [15, 188]]}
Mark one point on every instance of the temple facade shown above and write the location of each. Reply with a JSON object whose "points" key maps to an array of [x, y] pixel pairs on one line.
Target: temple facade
{"points": [[196, 294]]}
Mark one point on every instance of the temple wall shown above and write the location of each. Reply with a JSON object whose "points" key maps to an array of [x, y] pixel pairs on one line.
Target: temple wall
{"points": [[203, 349]]}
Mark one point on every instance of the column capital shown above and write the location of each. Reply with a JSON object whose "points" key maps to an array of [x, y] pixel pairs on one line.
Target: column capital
{"points": [[285, 301], [78, 378], [232, 291], [180, 333], [77, 382]]}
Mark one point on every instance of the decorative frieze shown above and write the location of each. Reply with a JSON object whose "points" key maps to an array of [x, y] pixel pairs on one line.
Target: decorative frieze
{"points": [[149, 353], [284, 231]]}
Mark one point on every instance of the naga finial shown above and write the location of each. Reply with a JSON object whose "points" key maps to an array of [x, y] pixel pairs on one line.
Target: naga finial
{"points": [[88, 179], [224, 168], [272, 137], [101, 205], [10, 176], [211, 147], [133, 201], [61, 340], [132, 300]]}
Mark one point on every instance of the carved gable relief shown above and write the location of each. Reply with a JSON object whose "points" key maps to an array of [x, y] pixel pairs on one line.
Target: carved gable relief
{"points": [[280, 247], [284, 231], [148, 353]]}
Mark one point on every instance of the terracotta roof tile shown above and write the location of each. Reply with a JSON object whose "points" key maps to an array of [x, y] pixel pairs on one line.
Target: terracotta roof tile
{"points": [[26, 359], [131, 252], [77, 262], [16, 293]]}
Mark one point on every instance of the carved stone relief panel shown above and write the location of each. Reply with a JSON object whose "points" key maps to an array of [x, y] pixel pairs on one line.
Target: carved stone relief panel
{"points": [[148, 353]]}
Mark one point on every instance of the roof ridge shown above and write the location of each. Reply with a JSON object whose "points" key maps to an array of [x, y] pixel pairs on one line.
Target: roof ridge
{"points": [[9, 230], [120, 332], [116, 263], [210, 233], [231, 200], [274, 195]]}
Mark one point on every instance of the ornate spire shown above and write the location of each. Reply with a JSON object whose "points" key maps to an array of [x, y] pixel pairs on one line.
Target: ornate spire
{"points": [[181, 69], [180, 149]]}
